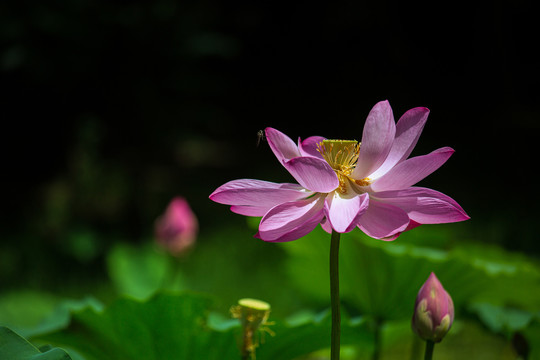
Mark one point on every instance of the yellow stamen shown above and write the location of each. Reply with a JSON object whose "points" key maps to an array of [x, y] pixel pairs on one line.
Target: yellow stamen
{"points": [[342, 156], [363, 182]]}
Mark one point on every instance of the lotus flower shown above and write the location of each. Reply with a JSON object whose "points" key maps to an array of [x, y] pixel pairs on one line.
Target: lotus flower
{"points": [[343, 184], [176, 230], [433, 311]]}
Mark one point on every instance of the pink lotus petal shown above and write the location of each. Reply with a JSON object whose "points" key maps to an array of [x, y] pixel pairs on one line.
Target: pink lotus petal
{"points": [[383, 220], [345, 212], [326, 226], [250, 210], [290, 216], [282, 145], [408, 130], [308, 147], [411, 171], [313, 174], [301, 230], [425, 206], [412, 224], [255, 197], [377, 138], [391, 237]]}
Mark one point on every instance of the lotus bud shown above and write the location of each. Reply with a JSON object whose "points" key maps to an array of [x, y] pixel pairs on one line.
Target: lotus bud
{"points": [[433, 311], [176, 230]]}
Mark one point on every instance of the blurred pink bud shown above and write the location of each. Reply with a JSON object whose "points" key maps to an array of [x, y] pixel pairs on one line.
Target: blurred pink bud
{"points": [[176, 230], [433, 311]]}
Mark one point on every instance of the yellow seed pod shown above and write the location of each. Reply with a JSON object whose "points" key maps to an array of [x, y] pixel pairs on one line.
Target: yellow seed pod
{"points": [[253, 315]]}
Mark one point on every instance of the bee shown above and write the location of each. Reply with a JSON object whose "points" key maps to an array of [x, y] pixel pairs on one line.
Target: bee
{"points": [[260, 136]]}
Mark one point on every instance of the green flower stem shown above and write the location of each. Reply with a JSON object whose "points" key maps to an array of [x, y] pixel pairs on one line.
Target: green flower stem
{"points": [[334, 295], [429, 350], [246, 353], [173, 274], [377, 339]]}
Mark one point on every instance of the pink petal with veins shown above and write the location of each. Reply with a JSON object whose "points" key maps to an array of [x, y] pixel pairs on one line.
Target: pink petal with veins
{"points": [[282, 145], [299, 231], [344, 213], [326, 226], [291, 217], [383, 220], [255, 197], [313, 174], [377, 138], [411, 171], [425, 206], [408, 130], [308, 147]]}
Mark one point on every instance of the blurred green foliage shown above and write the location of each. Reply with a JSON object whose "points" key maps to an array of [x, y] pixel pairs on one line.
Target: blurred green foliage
{"points": [[14, 347], [137, 272], [177, 326], [162, 328], [382, 279], [493, 291]]}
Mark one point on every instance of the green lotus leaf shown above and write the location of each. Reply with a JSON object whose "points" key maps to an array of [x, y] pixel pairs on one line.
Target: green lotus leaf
{"points": [[15, 347]]}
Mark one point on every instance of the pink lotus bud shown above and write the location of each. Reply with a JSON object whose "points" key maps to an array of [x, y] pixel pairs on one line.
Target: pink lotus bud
{"points": [[433, 311], [177, 229]]}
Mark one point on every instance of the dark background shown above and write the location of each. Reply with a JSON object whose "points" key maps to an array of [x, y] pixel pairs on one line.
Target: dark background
{"points": [[111, 108]]}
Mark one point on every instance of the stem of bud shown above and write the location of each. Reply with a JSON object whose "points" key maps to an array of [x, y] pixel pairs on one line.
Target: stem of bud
{"points": [[429, 350]]}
